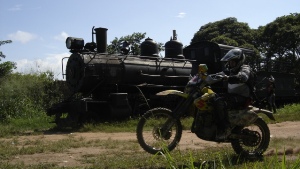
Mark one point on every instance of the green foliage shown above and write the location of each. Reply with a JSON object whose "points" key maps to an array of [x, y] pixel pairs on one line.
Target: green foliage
{"points": [[26, 96], [281, 38], [227, 31], [134, 40], [2, 43], [19, 126], [289, 112], [7, 68], [224, 40]]}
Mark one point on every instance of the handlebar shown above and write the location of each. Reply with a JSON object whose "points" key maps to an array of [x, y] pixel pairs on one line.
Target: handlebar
{"points": [[209, 79], [214, 78]]}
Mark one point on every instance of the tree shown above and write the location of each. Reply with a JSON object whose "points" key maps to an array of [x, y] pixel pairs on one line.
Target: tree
{"points": [[129, 44], [281, 38], [6, 67], [227, 31], [2, 43], [280, 42], [120, 45]]}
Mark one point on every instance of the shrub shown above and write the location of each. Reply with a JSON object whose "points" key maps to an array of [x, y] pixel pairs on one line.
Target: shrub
{"points": [[27, 95]]}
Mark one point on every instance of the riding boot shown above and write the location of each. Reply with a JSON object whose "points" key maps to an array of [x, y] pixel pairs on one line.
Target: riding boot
{"points": [[222, 120], [222, 134], [223, 130]]}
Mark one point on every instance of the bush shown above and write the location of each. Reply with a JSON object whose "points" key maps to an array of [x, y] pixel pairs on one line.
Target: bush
{"points": [[27, 95]]}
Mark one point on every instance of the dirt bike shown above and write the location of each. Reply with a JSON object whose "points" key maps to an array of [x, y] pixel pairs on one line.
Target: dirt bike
{"points": [[160, 129]]}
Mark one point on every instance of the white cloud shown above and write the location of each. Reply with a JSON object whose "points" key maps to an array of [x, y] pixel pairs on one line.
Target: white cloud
{"points": [[15, 8], [22, 37], [53, 63], [181, 15], [62, 36]]}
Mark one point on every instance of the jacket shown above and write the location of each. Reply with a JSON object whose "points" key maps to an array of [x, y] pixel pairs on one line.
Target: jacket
{"points": [[237, 81]]}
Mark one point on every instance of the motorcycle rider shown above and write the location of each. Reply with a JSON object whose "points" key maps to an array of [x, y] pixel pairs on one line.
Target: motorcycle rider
{"points": [[238, 92], [271, 94]]}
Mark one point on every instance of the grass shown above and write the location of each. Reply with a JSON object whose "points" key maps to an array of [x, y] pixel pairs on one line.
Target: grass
{"points": [[282, 153], [18, 146], [38, 124], [289, 112], [21, 126], [126, 154]]}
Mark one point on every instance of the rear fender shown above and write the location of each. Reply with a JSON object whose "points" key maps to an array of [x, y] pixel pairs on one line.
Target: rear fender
{"points": [[172, 92], [264, 111]]}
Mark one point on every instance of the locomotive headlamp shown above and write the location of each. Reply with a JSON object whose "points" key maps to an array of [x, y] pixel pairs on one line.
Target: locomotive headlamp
{"points": [[74, 43]]}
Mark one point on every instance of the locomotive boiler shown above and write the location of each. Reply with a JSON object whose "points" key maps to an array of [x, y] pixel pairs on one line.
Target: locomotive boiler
{"points": [[118, 85]]}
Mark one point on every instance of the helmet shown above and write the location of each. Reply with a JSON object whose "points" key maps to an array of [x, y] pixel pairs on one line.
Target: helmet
{"points": [[271, 79], [236, 55]]}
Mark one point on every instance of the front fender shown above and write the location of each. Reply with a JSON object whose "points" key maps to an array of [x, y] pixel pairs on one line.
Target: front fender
{"points": [[172, 92]]}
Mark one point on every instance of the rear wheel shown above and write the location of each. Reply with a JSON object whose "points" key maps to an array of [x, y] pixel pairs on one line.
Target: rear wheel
{"points": [[150, 133], [254, 139]]}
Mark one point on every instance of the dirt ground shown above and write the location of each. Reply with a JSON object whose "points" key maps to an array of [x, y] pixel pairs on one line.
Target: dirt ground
{"points": [[188, 141]]}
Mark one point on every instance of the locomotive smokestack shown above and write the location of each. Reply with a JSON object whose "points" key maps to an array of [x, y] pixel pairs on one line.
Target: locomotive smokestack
{"points": [[101, 39], [174, 35]]}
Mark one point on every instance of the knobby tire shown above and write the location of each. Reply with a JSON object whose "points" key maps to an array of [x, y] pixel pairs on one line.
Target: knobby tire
{"points": [[148, 136], [240, 146]]}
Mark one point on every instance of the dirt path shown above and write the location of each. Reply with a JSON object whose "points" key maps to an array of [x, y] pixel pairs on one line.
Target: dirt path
{"points": [[188, 141], [280, 130]]}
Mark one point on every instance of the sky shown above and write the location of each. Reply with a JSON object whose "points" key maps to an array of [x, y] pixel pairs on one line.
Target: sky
{"points": [[39, 28]]}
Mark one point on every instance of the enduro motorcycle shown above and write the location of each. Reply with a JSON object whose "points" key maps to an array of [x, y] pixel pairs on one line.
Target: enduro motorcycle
{"points": [[160, 129]]}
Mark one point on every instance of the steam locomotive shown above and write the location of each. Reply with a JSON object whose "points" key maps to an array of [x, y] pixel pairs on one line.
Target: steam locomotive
{"points": [[117, 86]]}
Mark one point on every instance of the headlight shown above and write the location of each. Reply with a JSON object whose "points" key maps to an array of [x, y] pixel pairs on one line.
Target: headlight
{"points": [[74, 43]]}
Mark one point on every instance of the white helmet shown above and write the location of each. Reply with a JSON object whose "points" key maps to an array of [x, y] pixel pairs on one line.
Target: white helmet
{"points": [[237, 55]]}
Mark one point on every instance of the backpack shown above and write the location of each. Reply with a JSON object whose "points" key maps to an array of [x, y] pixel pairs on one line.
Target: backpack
{"points": [[252, 81]]}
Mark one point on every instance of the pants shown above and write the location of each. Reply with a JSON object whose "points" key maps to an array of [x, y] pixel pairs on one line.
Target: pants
{"points": [[225, 103], [271, 103]]}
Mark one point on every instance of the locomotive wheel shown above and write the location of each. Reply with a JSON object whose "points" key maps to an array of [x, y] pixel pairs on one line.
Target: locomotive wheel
{"points": [[256, 141], [150, 135]]}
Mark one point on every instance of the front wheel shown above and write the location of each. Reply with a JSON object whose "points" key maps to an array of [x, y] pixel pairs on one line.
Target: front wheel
{"points": [[151, 134], [253, 139]]}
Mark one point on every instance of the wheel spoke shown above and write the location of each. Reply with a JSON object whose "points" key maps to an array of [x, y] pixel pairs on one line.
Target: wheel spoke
{"points": [[254, 138], [151, 135]]}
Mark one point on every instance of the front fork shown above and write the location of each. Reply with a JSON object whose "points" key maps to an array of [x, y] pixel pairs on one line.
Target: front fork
{"points": [[178, 112]]}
